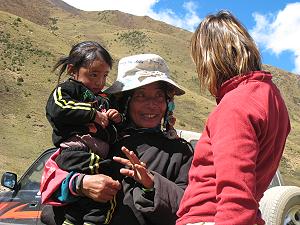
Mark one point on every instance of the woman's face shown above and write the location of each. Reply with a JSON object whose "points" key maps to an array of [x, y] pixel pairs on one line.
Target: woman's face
{"points": [[148, 106]]}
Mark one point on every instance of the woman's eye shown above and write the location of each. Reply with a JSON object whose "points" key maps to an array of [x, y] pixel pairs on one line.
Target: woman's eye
{"points": [[160, 96], [139, 96]]}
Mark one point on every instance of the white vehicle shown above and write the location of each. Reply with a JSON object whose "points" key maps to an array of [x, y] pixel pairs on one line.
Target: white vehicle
{"points": [[21, 204]]}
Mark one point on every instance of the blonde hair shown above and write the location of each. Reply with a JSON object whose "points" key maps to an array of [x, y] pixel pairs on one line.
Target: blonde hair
{"points": [[222, 48]]}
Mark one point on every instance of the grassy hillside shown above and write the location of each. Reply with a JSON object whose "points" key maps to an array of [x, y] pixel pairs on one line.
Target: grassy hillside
{"points": [[32, 38]]}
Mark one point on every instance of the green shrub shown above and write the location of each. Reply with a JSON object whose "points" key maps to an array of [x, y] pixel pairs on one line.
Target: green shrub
{"points": [[134, 39]]}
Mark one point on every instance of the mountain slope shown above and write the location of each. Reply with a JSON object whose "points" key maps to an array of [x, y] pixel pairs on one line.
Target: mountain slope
{"points": [[33, 34], [37, 11]]}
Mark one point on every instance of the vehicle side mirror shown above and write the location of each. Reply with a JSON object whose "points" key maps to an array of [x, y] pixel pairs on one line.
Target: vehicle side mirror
{"points": [[9, 180]]}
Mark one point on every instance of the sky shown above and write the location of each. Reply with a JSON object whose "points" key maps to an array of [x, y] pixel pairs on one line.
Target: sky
{"points": [[274, 25]]}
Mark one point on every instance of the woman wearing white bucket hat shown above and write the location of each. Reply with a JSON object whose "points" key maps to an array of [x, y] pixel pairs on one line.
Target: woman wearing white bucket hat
{"points": [[156, 166], [138, 70], [141, 71]]}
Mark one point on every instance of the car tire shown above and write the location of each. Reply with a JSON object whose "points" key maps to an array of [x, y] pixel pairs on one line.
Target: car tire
{"points": [[281, 205]]}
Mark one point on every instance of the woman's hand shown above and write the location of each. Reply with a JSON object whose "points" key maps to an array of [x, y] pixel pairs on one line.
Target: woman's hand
{"points": [[99, 187], [136, 169]]}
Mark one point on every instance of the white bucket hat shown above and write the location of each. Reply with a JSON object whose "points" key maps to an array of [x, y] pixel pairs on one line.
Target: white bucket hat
{"points": [[138, 70]]}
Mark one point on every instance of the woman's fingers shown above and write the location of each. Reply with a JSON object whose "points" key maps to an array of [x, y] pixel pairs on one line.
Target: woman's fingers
{"points": [[131, 160], [130, 155], [135, 168], [108, 193], [123, 161], [127, 172]]}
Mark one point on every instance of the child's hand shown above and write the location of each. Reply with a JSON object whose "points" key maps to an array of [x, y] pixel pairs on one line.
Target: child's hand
{"points": [[101, 119], [92, 128], [114, 115]]}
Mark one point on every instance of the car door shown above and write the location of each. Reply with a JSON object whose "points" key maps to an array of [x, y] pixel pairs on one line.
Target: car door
{"points": [[22, 205]]}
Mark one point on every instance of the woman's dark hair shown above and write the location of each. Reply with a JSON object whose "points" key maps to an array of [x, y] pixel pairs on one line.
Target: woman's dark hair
{"points": [[83, 54]]}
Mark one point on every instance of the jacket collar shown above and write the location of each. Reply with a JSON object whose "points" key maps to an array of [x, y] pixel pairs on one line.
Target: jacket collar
{"points": [[235, 81]]}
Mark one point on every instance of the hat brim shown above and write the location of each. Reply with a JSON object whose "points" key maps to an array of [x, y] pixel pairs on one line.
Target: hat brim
{"points": [[122, 86]]}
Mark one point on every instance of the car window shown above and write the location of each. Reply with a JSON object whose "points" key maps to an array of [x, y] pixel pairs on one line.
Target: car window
{"points": [[31, 179], [193, 143]]}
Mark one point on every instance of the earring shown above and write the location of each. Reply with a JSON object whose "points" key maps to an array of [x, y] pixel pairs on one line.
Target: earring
{"points": [[170, 121]]}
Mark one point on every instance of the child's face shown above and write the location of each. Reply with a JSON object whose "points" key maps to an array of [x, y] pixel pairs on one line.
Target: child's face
{"points": [[94, 76]]}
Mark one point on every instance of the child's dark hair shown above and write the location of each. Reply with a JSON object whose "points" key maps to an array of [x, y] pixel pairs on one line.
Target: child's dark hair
{"points": [[83, 54]]}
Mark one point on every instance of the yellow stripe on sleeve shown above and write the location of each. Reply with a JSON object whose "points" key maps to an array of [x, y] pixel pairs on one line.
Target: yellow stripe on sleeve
{"points": [[92, 162], [113, 204], [69, 104]]}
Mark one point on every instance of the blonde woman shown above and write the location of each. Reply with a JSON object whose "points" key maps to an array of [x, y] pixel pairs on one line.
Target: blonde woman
{"points": [[244, 137]]}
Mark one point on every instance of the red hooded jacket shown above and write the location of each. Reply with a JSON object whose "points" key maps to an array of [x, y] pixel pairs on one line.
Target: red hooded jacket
{"points": [[237, 154]]}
